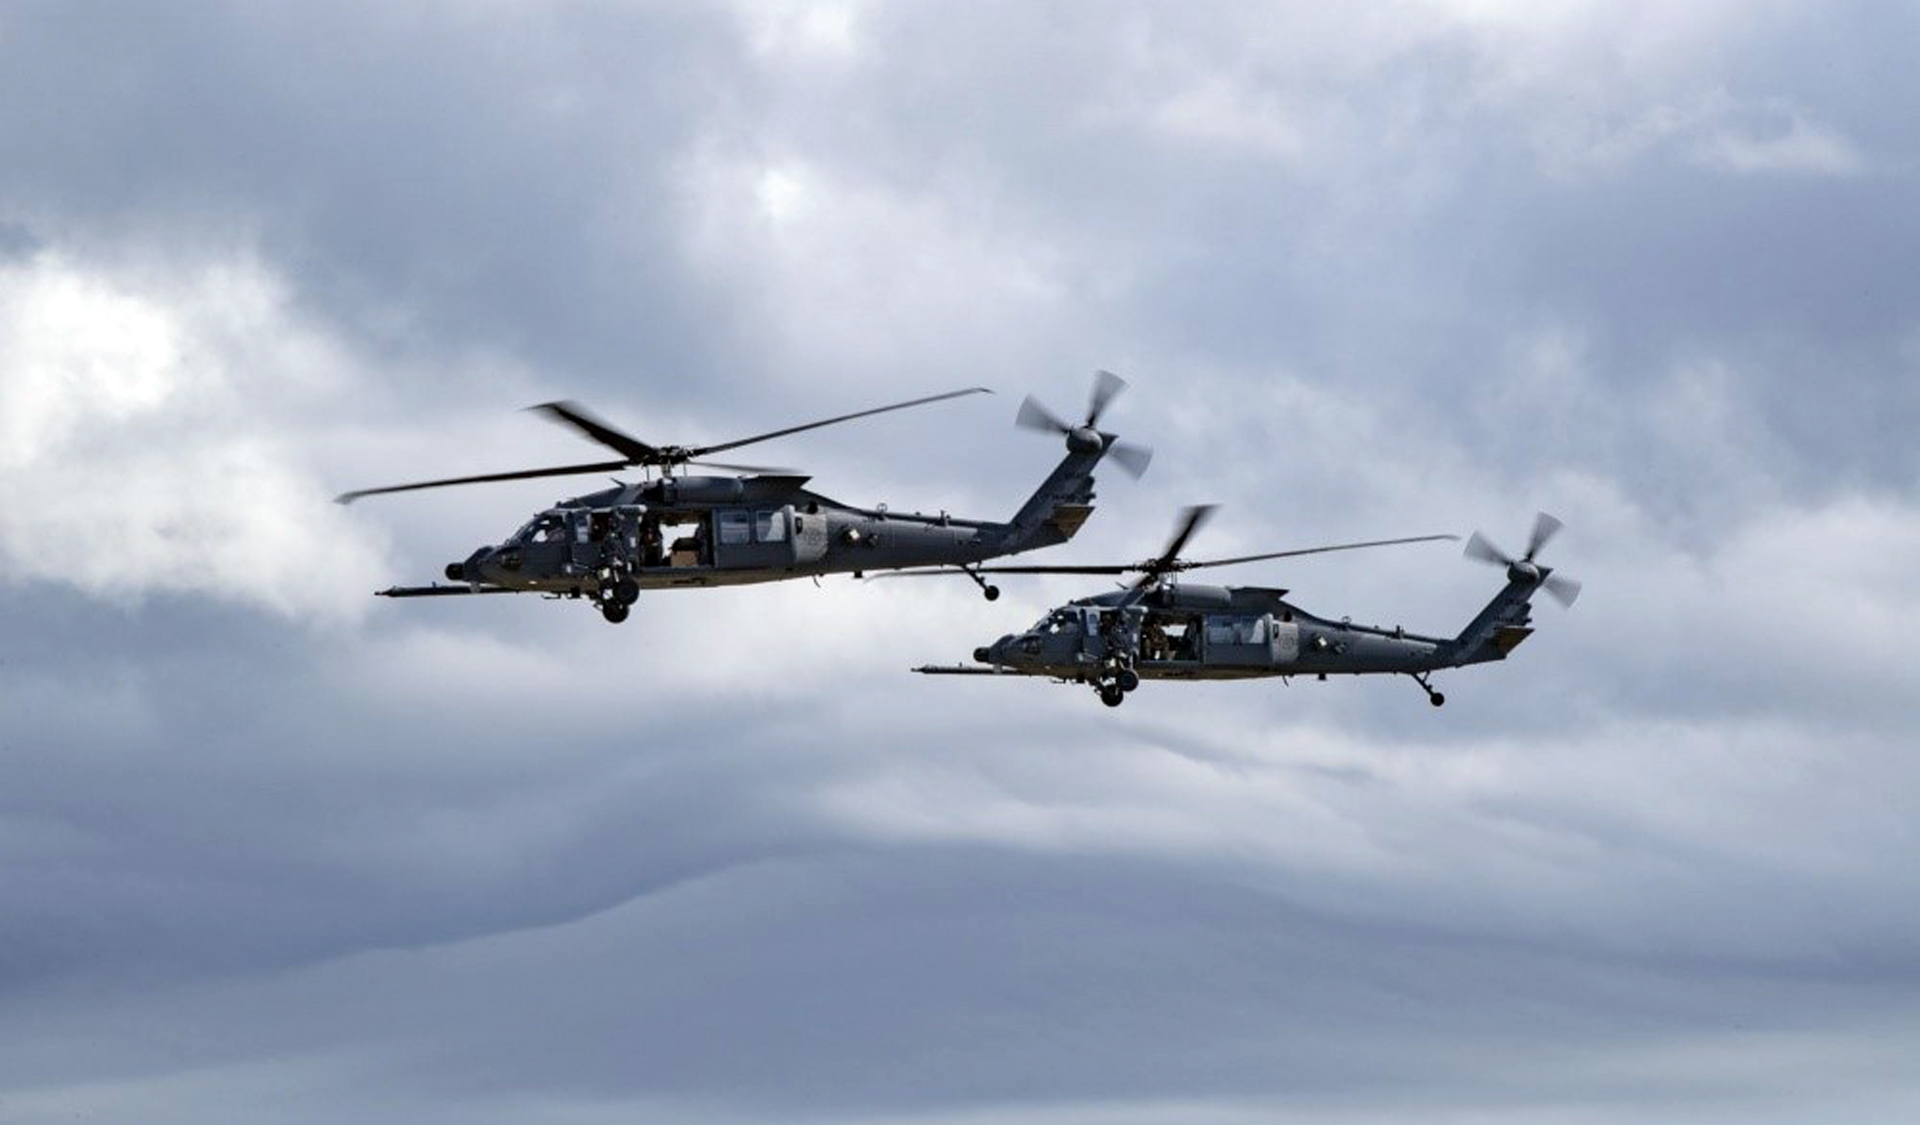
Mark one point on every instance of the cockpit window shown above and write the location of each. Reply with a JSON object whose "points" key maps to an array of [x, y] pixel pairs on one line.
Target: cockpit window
{"points": [[547, 527], [543, 528]]}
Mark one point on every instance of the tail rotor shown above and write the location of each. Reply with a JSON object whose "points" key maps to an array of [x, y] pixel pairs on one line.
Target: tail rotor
{"points": [[1087, 437], [1562, 589]]}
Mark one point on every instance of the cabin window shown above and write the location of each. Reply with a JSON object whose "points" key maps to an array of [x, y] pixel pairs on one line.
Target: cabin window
{"points": [[1168, 638], [1237, 631], [768, 527], [735, 528]]}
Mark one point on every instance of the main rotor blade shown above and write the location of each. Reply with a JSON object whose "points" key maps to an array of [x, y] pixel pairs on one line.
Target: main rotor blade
{"points": [[1105, 386], [573, 414], [701, 451], [1167, 561], [1482, 548], [957, 572], [1132, 458], [1564, 590], [1180, 565], [1172, 565], [1191, 520], [759, 470], [1545, 527], [522, 474], [1034, 416]]}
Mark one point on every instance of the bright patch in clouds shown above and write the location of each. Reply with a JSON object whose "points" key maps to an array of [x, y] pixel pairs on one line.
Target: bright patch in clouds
{"points": [[1218, 111], [826, 31], [853, 273], [148, 439], [1783, 139]]}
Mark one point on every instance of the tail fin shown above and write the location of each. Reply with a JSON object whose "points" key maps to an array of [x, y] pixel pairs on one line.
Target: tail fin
{"points": [[1499, 628], [1058, 507]]}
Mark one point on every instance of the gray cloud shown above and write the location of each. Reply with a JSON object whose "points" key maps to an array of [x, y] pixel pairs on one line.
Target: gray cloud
{"points": [[280, 852], [1057, 982]]}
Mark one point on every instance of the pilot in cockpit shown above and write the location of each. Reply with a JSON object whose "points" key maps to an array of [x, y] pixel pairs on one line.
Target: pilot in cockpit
{"points": [[543, 528]]}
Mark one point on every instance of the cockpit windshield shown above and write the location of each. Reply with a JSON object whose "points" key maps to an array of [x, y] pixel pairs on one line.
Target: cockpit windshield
{"points": [[1059, 621], [547, 527]]}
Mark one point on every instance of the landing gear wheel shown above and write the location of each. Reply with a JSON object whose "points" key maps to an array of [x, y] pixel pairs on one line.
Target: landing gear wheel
{"points": [[626, 591], [1111, 695], [991, 591], [1437, 699], [1127, 680], [614, 612]]}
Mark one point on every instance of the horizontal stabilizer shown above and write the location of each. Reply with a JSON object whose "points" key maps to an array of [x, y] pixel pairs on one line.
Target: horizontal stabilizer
{"points": [[1067, 518], [1506, 638]]}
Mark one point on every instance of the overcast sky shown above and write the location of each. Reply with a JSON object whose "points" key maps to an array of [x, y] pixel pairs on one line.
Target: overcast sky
{"points": [[273, 850]]}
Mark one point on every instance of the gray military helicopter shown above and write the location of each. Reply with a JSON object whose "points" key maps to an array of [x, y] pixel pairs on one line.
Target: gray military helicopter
{"points": [[607, 546], [1156, 629]]}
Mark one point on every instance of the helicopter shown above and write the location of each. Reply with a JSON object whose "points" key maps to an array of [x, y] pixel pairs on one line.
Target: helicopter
{"points": [[764, 526], [1156, 629]]}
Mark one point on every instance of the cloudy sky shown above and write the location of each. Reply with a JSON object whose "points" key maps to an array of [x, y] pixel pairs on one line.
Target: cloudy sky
{"points": [[272, 850]]}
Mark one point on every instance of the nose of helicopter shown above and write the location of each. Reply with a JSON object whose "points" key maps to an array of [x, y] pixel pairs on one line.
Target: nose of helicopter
{"points": [[474, 569], [995, 653]]}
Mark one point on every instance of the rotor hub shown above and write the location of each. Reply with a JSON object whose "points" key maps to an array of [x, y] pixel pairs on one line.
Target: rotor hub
{"points": [[1085, 439], [1523, 569]]}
